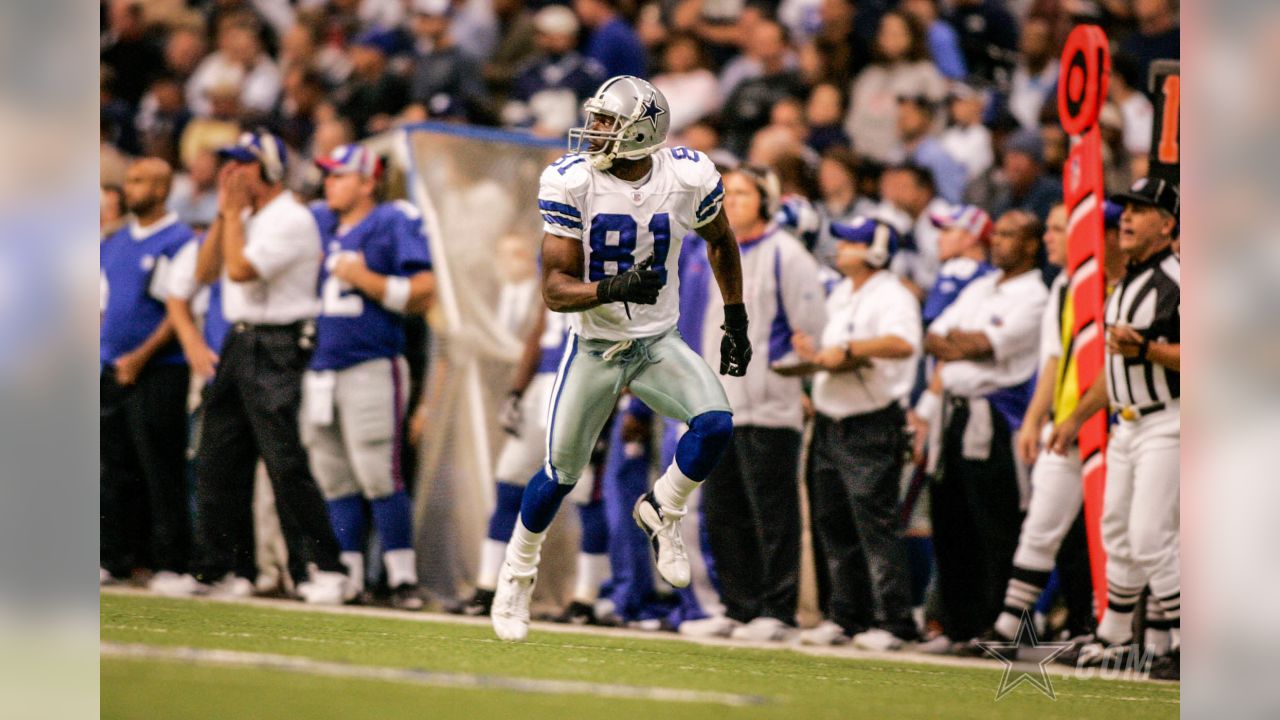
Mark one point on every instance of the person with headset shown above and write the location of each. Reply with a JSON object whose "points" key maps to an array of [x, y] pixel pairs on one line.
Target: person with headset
{"points": [[986, 344], [865, 362], [751, 506], [265, 246]]}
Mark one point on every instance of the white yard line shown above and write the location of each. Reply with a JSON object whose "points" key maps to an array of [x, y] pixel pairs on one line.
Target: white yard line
{"points": [[845, 652], [467, 681]]}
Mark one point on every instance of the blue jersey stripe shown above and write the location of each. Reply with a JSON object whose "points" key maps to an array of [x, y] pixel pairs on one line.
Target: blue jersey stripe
{"points": [[558, 220], [711, 198], [553, 206]]}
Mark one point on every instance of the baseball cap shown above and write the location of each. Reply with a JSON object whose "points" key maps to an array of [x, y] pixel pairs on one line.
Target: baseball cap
{"points": [[435, 8], [556, 20], [1153, 191], [970, 218], [1111, 214], [261, 147], [1028, 142], [351, 159], [380, 40], [862, 230]]}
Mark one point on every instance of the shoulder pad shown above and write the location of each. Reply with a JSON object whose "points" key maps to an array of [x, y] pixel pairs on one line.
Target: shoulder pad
{"points": [[691, 167]]}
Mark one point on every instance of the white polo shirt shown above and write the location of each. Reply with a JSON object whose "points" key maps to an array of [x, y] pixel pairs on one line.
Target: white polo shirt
{"points": [[881, 306], [282, 243], [1010, 314]]}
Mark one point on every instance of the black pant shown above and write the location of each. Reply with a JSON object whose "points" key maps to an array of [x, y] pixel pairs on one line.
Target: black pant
{"points": [[976, 520], [751, 503], [145, 519], [857, 466], [251, 411]]}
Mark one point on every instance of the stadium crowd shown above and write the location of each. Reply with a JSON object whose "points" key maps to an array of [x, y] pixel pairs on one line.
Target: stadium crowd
{"points": [[892, 173]]}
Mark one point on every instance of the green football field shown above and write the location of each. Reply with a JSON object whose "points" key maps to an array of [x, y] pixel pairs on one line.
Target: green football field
{"points": [[195, 659]]}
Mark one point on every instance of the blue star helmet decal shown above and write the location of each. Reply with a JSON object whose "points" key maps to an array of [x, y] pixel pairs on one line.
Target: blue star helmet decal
{"points": [[651, 111]]}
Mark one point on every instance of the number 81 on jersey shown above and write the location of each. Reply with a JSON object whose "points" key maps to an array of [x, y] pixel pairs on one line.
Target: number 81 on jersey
{"points": [[623, 252]]}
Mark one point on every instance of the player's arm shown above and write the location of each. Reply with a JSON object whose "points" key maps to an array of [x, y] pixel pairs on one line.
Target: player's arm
{"points": [[1094, 399], [399, 294], [209, 256], [564, 290], [1027, 442], [529, 358], [959, 345], [726, 265], [129, 365]]}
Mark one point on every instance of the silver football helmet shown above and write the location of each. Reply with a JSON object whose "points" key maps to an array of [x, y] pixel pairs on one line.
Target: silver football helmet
{"points": [[626, 118]]}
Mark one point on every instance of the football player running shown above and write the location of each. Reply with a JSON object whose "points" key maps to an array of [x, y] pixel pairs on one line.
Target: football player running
{"points": [[615, 210]]}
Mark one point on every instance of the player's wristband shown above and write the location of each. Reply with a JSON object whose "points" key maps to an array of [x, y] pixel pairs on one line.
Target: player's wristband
{"points": [[928, 406], [735, 316], [396, 296]]}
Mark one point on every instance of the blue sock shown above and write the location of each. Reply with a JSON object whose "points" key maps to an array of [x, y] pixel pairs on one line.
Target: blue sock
{"points": [[346, 514], [541, 501], [701, 447], [595, 530], [505, 511], [392, 517]]}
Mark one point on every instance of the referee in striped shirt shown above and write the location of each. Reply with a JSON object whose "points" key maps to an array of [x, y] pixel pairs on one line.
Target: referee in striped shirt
{"points": [[1141, 381]]}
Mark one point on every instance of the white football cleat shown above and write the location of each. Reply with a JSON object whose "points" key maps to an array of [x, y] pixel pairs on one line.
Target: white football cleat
{"points": [[174, 585], [825, 633], [712, 627], [662, 526], [324, 588], [764, 629], [511, 599], [877, 640]]}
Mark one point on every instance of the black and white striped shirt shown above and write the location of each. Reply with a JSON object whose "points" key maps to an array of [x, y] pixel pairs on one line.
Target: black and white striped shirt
{"points": [[1149, 299]]}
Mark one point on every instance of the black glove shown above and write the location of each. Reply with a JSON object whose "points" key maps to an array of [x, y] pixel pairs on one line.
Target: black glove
{"points": [[735, 347], [639, 285], [510, 417]]}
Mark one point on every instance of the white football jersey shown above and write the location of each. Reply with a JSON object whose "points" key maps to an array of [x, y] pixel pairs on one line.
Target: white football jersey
{"points": [[621, 223]]}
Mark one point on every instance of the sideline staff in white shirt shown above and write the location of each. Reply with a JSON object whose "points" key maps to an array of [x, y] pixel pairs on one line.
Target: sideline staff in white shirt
{"points": [[267, 248], [867, 360], [987, 343]]}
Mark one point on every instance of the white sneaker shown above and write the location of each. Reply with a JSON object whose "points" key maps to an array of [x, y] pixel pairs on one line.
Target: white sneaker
{"points": [[764, 629], [940, 645], [662, 525], [324, 588], [510, 611], [712, 627], [175, 585], [826, 633], [878, 640], [104, 577]]}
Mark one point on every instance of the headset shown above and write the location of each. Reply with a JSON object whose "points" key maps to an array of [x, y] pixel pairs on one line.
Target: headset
{"points": [[768, 187], [881, 247]]}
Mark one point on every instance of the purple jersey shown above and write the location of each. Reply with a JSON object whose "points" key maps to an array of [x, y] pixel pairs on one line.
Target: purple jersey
{"points": [[352, 328], [134, 265], [553, 341]]}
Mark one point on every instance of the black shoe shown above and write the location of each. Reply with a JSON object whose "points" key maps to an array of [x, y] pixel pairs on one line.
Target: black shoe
{"points": [[578, 613], [975, 647], [479, 604], [1168, 666], [407, 597]]}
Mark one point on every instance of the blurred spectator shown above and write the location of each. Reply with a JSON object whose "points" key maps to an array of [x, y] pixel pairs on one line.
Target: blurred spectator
{"points": [[611, 41], [802, 18], [195, 193], [475, 28], [1127, 90], [162, 118], [748, 107], [901, 67], [115, 115], [689, 86], [751, 505], [132, 56], [111, 211], [866, 358], [294, 119], [841, 49], [443, 74], [1035, 79], [305, 46], [966, 139], [840, 201], [1025, 184], [987, 341], [944, 43], [372, 94], [922, 147], [1158, 36], [962, 249], [548, 91], [184, 50], [988, 37], [824, 111], [758, 49], [911, 199], [238, 62], [515, 44]]}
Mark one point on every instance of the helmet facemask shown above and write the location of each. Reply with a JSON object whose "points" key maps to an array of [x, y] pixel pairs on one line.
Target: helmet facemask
{"points": [[600, 137]]}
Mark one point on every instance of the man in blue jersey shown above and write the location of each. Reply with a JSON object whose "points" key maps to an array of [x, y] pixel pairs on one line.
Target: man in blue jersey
{"points": [[962, 249], [143, 385], [549, 89], [376, 268]]}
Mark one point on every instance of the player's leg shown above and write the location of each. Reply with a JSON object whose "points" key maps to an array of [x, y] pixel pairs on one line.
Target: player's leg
{"points": [[371, 398], [331, 467], [679, 385], [581, 401], [1125, 578], [1056, 496], [1153, 520]]}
